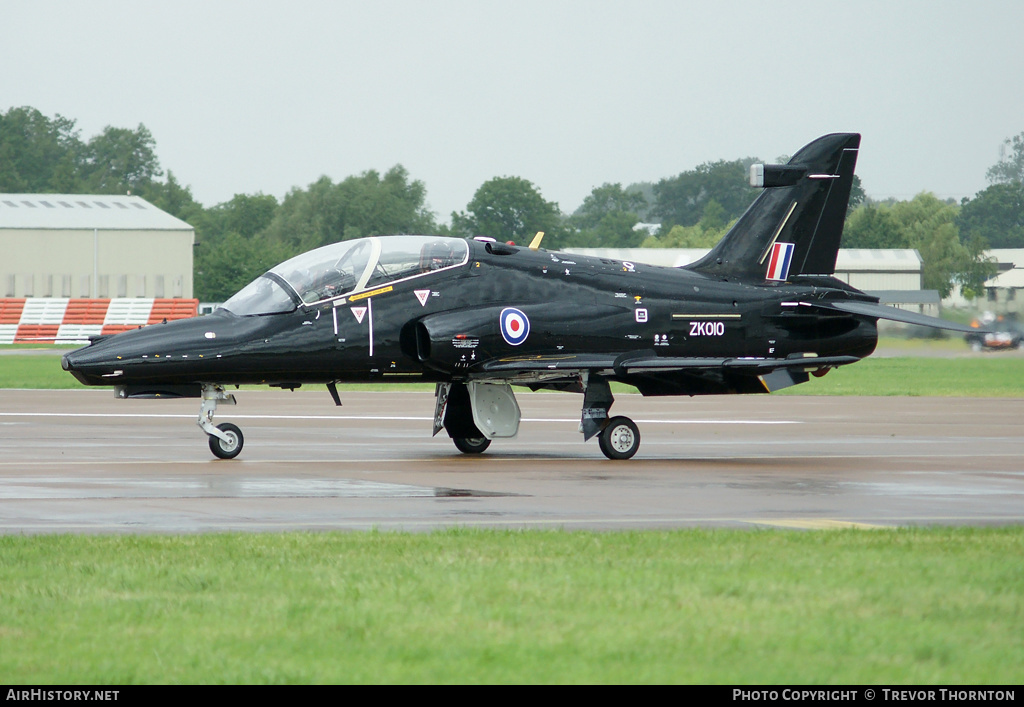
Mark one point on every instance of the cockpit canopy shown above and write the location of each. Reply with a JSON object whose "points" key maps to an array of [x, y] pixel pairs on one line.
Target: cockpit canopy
{"points": [[349, 266]]}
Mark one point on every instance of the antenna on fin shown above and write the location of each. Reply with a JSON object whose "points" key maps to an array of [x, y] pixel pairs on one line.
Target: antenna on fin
{"points": [[535, 243]]}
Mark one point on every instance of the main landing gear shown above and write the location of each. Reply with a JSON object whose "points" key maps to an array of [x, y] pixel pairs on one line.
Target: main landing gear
{"points": [[225, 439], [474, 413], [620, 439]]}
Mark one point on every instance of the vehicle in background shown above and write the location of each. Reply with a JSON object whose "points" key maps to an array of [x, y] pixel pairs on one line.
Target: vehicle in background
{"points": [[997, 332]]}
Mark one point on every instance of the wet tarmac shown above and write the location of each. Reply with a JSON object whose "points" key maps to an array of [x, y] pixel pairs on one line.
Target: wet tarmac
{"points": [[84, 462]]}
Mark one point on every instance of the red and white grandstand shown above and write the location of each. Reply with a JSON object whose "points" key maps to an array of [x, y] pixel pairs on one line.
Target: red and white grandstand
{"points": [[61, 320]]}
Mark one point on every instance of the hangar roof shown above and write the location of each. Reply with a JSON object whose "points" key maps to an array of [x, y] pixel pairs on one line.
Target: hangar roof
{"points": [[887, 259], [107, 212], [1012, 256], [1013, 279]]}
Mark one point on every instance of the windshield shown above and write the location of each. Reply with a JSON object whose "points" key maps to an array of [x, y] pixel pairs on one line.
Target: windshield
{"points": [[261, 296], [349, 266]]}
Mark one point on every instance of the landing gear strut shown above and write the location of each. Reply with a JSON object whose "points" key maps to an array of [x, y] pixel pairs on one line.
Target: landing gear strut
{"points": [[225, 439]]}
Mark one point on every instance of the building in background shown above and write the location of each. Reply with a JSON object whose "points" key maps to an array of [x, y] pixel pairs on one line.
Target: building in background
{"points": [[1005, 291], [92, 246]]}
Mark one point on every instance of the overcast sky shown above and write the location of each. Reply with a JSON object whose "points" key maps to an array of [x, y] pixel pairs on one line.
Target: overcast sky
{"points": [[264, 96]]}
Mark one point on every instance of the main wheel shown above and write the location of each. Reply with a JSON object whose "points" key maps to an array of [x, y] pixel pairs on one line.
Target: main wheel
{"points": [[471, 445], [227, 449], [619, 439]]}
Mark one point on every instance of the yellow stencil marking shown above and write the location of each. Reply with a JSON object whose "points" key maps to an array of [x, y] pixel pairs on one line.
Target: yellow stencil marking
{"points": [[370, 293]]}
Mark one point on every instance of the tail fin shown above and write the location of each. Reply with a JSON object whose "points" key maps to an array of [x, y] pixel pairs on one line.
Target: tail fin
{"points": [[794, 226]]}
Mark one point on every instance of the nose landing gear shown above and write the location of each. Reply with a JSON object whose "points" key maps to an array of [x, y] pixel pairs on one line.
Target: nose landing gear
{"points": [[225, 439], [230, 445]]}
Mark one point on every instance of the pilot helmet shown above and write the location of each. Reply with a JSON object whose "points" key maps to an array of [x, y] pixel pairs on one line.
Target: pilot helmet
{"points": [[436, 255]]}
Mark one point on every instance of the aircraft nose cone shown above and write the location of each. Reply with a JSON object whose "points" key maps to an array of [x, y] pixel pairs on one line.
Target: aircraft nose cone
{"points": [[65, 363]]}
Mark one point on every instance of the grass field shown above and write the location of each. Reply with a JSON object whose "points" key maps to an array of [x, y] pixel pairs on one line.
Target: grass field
{"points": [[990, 376], [917, 606], [901, 606]]}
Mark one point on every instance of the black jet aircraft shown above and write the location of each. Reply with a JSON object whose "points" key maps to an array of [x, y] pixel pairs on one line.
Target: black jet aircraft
{"points": [[760, 312]]}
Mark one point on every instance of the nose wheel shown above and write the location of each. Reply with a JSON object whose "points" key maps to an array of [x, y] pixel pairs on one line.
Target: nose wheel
{"points": [[230, 445], [619, 439], [225, 439]]}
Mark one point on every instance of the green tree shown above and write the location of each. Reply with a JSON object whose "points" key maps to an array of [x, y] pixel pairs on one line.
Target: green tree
{"points": [[606, 199], [857, 195], [119, 160], [681, 200], [995, 214], [364, 205], [38, 154], [930, 226], [977, 269], [646, 190], [173, 198], [509, 209], [701, 235], [1010, 166], [714, 216], [232, 249], [225, 263], [873, 226], [606, 219], [246, 214], [44, 155]]}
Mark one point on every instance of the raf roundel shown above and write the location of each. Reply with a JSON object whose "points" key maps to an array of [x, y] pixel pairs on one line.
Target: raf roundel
{"points": [[515, 326]]}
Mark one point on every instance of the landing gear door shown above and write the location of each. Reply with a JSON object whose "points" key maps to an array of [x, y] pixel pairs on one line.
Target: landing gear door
{"points": [[495, 410]]}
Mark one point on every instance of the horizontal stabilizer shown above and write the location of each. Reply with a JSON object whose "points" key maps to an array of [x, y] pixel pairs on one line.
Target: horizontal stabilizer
{"points": [[882, 311]]}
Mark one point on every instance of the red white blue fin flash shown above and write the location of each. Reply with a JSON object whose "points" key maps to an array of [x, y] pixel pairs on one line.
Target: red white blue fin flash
{"points": [[779, 262]]}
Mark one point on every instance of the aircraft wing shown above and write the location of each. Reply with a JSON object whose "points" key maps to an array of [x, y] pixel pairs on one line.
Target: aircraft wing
{"points": [[569, 363], [647, 361], [753, 365]]}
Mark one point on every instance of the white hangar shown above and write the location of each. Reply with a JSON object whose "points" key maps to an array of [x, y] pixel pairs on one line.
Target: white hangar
{"points": [[92, 246]]}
